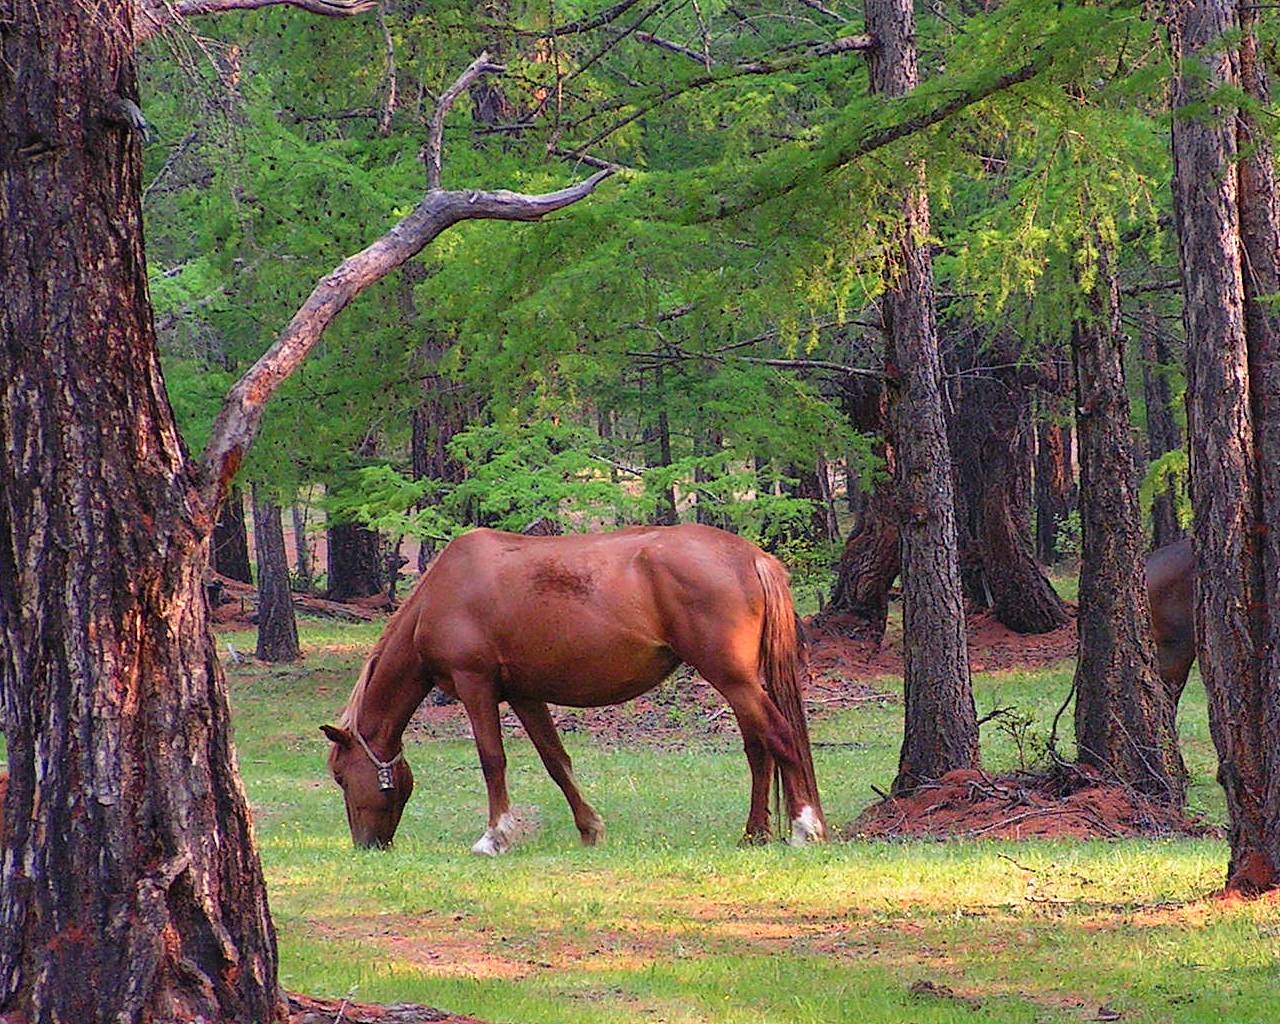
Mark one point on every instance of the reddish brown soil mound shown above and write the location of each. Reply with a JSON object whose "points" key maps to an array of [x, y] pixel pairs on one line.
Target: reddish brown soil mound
{"points": [[306, 1010], [1070, 801]]}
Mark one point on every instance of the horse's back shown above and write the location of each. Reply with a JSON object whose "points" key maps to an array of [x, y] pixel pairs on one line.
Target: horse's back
{"points": [[588, 618]]}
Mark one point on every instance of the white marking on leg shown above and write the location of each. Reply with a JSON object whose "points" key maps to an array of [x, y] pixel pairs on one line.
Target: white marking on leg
{"points": [[805, 827], [497, 839]]}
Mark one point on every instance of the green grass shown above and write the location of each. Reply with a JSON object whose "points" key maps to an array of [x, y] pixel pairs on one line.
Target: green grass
{"points": [[669, 920]]}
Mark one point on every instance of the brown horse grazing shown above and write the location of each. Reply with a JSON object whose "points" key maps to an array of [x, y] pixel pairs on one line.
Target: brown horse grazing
{"points": [[1171, 591], [584, 621]]}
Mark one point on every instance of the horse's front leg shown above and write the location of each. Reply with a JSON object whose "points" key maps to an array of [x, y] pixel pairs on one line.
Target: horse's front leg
{"points": [[538, 723], [480, 699]]}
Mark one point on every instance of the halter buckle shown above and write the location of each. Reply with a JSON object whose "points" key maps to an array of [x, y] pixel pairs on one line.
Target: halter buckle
{"points": [[385, 782]]}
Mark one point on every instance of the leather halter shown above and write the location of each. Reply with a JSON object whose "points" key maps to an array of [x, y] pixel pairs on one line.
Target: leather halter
{"points": [[386, 781]]}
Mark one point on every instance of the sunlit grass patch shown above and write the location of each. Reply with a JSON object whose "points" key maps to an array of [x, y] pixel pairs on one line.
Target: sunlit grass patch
{"points": [[669, 920]]}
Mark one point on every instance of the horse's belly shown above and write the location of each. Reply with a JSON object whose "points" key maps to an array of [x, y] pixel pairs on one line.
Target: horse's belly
{"points": [[589, 679]]}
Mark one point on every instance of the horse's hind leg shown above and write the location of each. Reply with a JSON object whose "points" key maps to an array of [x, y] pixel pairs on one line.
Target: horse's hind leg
{"points": [[480, 699], [766, 737], [537, 721]]}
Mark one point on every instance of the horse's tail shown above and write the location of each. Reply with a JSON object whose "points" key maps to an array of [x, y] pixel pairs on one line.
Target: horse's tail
{"points": [[783, 665]]}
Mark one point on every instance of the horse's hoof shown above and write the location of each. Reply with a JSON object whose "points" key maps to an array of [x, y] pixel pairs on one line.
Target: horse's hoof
{"points": [[496, 840], [806, 827], [755, 838], [487, 846], [593, 834]]}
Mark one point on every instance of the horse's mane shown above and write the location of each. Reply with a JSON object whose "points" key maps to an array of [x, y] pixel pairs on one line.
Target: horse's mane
{"points": [[347, 720]]}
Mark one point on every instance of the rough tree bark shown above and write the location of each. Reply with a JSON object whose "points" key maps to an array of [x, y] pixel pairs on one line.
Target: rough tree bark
{"points": [[231, 539], [872, 557], [1163, 435], [131, 887], [941, 731], [991, 442], [357, 562], [1124, 717], [277, 624], [1225, 213]]}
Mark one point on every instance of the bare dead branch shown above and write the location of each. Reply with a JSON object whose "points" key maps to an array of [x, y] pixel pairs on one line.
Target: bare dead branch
{"points": [[157, 15], [667, 44], [587, 161], [389, 107], [432, 152], [815, 5], [241, 414]]}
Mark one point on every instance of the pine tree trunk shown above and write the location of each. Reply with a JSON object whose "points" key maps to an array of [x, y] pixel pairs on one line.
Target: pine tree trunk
{"points": [[131, 888], [357, 566], [1260, 232], [872, 555], [277, 625], [1163, 435], [941, 731], [306, 578], [1124, 718], [231, 540], [1022, 597], [967, 429], [1236, 522]]}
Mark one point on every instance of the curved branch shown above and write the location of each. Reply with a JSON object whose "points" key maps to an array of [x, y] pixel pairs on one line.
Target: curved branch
{"points": [[241, 414], [157, 15], [432, 153]]}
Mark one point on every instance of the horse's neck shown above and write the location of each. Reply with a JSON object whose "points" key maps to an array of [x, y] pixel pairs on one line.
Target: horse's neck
{"points": [[386, 703]]}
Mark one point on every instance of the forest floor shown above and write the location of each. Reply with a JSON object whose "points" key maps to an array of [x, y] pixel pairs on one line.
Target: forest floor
{"points": [[1063, 802]]}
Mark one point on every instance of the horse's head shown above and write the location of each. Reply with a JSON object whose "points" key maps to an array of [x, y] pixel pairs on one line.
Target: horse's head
{"points": [[375, 791]]}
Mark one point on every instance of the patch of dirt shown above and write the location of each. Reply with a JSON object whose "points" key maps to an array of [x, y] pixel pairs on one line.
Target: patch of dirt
{"points": [[1070, 801], [309, 1010], [993, 647]]}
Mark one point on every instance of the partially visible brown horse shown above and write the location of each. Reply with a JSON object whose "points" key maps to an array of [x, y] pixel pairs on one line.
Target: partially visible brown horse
{"points": [[1171, 591], [583, 621]]}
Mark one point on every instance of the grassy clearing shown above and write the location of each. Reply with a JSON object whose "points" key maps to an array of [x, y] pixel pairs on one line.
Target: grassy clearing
{"points": [[670, 921]]}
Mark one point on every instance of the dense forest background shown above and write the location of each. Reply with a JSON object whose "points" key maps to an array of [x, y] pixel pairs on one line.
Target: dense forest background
{"points": [[702, 339]]}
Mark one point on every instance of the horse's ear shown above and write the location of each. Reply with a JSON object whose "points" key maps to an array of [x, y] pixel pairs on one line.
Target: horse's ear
{"points": [[336, 735]]}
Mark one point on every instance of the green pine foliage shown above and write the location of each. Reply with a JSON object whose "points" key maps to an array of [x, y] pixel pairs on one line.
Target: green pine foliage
{"points": [[742, 236]]}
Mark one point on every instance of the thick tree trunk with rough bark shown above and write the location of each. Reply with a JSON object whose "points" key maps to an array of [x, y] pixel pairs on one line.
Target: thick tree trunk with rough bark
{"points": [[131, 888], [1124, 717], [1225, 211], [1163, 435], [1022, 597], [991, 433], [941, 732], [870, 562], [872, 557], [357, 562], [231, 539], [277, 624]]}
